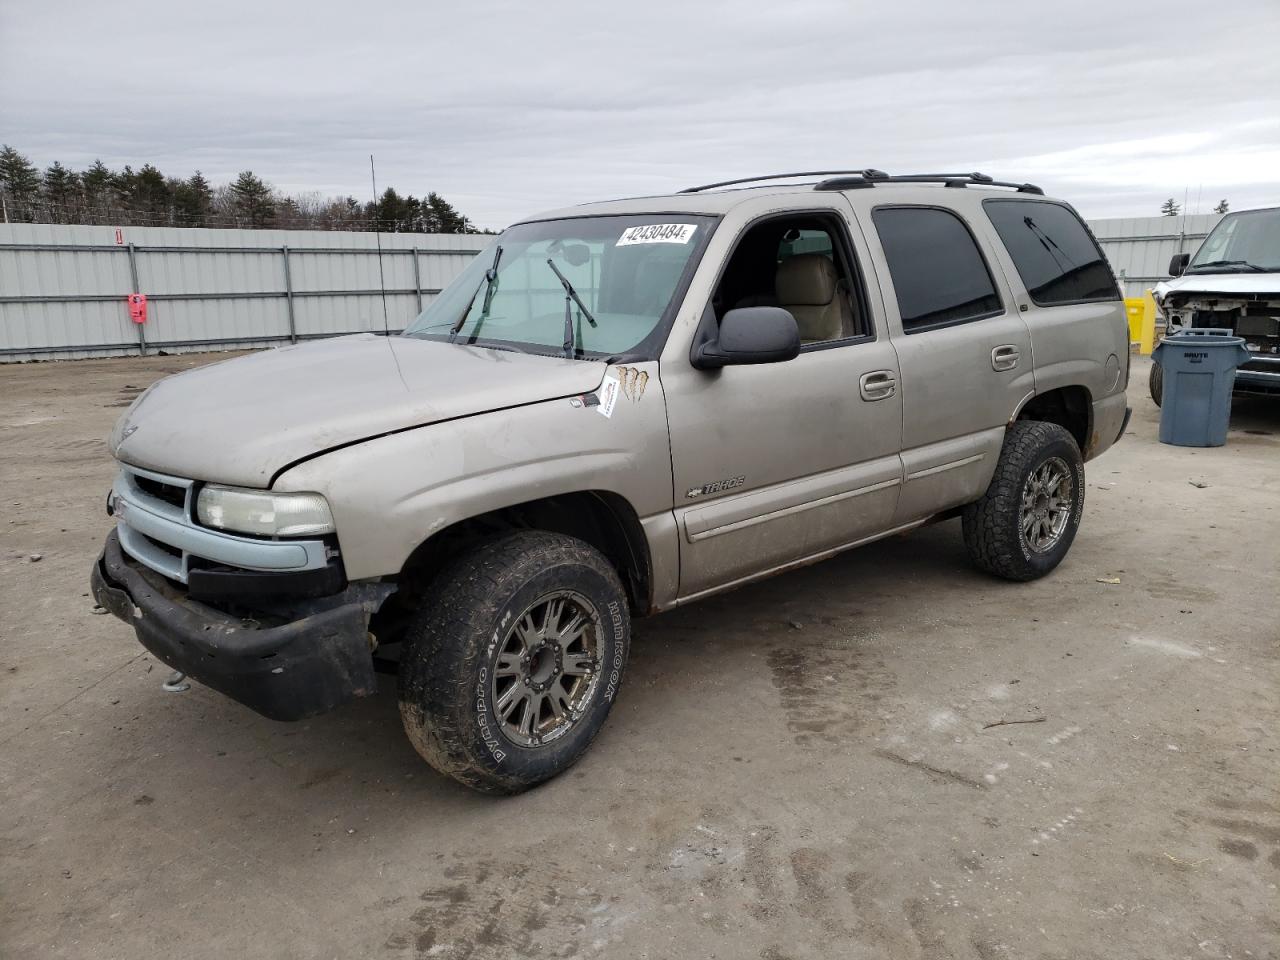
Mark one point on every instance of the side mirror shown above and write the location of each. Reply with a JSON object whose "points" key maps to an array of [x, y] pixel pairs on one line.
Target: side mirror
{"points": [[1178, 265], [750, 335]]}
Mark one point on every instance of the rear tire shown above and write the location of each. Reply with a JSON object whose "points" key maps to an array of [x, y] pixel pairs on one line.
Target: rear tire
{"points": [[512, 664], [1156, 383], [1024, 524]]}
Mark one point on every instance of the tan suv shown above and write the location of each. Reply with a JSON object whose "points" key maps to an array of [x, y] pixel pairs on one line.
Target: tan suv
{"points": [[616, 409]]}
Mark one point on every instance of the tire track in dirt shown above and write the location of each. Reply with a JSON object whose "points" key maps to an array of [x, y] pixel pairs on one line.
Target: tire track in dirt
{"points": [[827, 690]]}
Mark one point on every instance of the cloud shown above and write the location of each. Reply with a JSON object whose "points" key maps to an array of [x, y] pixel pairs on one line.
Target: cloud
{"points": [[510, 108]]}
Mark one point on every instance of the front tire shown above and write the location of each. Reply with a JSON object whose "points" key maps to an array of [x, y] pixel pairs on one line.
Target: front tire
{"points": [[1024, 524], [1155, 383], [511, 666]]}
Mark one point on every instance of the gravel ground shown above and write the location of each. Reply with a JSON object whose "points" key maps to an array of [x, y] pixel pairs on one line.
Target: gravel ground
{"points": [[807, 768]]}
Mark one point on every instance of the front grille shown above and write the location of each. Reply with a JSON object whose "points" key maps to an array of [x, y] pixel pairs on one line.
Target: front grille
{"points": [[157, 528], [171, 551], [1256, 326], [168, 492]]}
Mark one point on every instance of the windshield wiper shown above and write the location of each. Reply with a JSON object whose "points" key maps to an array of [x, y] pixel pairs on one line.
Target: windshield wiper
{"points": [[570, 295], [487, 281], [1227, 263]]}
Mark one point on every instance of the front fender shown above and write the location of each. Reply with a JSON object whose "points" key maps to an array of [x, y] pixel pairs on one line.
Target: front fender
{"points": [[390, 494]]}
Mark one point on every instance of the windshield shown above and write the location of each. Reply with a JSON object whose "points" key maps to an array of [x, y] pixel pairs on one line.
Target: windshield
{"points": [[624, 270], [1241, 241]]}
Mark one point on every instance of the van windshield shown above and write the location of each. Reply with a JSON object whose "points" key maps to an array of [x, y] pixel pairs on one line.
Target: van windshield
{"points": [[625, 270], [1241, 242]]}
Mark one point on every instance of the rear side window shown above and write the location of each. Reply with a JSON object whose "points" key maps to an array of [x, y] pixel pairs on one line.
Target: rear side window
{"points": [[1056, 257], [938, 271]]}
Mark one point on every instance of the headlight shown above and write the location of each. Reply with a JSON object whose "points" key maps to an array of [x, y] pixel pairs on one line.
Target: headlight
{"points": [[264, 513]]}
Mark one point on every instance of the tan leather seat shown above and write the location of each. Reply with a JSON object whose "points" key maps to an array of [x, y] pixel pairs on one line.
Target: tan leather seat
{"points": [[809, 287]]}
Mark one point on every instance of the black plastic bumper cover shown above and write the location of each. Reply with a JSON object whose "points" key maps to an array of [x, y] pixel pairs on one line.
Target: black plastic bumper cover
{"points": [[1124, 425], [300, 669]]}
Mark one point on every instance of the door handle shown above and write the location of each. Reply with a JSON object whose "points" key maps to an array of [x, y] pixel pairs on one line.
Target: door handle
{"points": [[1004, 357], [877, 385]]}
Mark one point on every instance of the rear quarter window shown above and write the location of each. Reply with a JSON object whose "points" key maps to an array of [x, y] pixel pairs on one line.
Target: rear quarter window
{"points": [[939, 275], [1055, 255]]}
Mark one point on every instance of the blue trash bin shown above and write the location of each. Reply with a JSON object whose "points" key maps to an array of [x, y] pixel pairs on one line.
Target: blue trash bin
{"points": [[1199, 374]]}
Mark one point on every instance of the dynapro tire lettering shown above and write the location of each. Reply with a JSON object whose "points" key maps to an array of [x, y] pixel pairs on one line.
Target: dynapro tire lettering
{"points": [[615, 616], [484, 718]]}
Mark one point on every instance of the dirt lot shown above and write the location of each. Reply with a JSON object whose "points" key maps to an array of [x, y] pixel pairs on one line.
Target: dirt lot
{"points": [[805, 768]]}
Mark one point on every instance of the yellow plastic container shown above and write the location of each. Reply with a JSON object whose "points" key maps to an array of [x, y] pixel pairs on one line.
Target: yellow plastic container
{"points": [[1141, 312], [1147, 341], [1133, 307]]}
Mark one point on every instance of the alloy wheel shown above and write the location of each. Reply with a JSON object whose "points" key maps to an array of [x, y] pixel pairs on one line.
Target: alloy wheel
{"points": [[547, 668], [1048, 497]]}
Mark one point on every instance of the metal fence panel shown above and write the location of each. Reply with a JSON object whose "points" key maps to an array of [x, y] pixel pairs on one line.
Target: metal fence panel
{"points": [[63, 288], [335, 316], [1139, 248]]}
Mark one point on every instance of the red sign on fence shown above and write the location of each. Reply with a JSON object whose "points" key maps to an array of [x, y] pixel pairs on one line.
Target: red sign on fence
{"points": [[137, 307]]}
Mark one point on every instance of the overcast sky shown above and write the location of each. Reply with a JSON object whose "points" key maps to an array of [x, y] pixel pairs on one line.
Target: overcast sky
{"points": [[510, 108]]}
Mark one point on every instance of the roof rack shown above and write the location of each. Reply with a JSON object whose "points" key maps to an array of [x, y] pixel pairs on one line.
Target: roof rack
{"points": [[947, 179], [782, 176], [861, 179]]}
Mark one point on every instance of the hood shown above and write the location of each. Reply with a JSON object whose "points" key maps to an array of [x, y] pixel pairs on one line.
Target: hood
{"points": [[242, 420], [1227, 284]]}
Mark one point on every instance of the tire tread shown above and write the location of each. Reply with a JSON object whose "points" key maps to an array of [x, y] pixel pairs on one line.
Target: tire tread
{"points": [[435, 706], [992, 541]]}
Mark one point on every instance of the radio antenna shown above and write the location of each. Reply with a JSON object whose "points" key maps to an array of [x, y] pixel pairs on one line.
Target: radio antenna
{"points": [[377, 233]]}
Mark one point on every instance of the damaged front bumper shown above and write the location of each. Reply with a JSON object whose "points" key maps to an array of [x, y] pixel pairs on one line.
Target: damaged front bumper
{"points": [[316, 659]]}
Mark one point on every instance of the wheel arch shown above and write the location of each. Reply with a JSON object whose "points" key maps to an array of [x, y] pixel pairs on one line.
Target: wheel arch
{"points": [[1070, 407], [601, 518]]}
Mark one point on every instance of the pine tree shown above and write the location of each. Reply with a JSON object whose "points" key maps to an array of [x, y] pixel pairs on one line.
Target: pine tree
{"points": [[174, 187], [124, 187], [61, 190], [254, 202], [1221, 207], [95, 186], [193, 200], [201, 194], [152, 193], [1169, 208], [18, 175], [146, 196], [395, 214], [440, 216]]}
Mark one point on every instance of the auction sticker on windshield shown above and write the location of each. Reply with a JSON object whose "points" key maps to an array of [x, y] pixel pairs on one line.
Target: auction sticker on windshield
{"points": [[657, 233]]}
